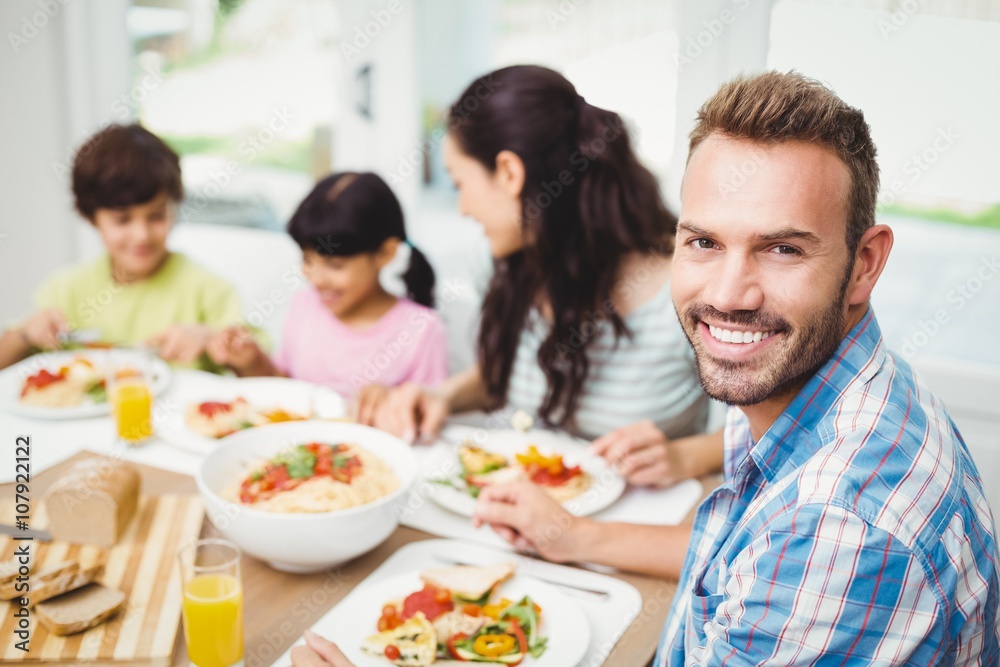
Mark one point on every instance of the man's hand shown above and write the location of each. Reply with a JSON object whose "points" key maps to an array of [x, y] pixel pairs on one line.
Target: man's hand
{"points": [[234, 347], [643, 455], [411, 412], [182, 343], [318, 652], [527, 517], [42, 328]]}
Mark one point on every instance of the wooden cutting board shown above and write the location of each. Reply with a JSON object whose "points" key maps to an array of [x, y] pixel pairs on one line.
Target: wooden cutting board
{"points": [[143, 565]]}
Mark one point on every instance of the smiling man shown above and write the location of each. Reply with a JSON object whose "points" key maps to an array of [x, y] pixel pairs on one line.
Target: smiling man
{"points": [[852, 525]]}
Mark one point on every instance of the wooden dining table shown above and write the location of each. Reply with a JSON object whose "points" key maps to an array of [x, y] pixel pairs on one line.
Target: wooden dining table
{"points": [[279, 606]]}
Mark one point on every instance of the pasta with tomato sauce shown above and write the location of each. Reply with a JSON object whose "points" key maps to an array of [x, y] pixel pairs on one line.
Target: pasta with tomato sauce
{"points": [[316, 477]]}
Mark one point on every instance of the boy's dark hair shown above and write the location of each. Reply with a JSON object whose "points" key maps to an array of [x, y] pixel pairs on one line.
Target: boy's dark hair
{"points": [[124, 165], [350, 213]]}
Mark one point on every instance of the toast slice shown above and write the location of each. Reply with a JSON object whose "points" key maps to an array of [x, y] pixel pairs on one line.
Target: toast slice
{"points": [[9, 590], [80, 609], [469, 582]]}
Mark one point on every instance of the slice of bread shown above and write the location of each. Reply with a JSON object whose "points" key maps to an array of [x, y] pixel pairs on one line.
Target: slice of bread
{"points": [[80, 609], [11, 568], [470, 582], [9, 591], [45, 585]]}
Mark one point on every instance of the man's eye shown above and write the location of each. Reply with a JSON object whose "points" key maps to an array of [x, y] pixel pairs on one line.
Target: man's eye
{"points": [[786, 250], [703, 244]]}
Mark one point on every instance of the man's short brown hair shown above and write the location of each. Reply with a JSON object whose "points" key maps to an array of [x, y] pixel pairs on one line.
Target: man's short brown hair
{"points": [[124, 165], [772, 107]]}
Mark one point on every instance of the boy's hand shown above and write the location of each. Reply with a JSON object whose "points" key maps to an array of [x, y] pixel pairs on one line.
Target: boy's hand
{"points": [[234, 347], [182, 343], [42, 328]]}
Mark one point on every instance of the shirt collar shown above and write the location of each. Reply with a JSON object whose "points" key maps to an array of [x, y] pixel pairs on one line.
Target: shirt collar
{"points": [[791, 440]]}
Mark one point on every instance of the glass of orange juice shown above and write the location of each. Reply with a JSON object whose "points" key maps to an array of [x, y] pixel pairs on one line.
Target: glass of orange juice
{"points": [[130, 395], [213, 603]]}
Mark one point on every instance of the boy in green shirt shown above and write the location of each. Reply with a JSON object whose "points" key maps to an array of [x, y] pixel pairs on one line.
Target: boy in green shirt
{"points": [[127, 183]]}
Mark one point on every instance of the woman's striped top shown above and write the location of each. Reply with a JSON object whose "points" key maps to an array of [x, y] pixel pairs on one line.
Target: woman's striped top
{"points": [[651, 375]]}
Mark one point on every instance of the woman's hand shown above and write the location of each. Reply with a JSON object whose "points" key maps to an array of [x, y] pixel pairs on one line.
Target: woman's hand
{"points": [[182, 343], [42, 328], [234, 347], [643, 455], [411, 412], [318, 652], [527, 517]]}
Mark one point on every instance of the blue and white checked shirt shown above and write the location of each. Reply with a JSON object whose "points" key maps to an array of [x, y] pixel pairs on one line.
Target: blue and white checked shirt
{"points": [[856, 532]]}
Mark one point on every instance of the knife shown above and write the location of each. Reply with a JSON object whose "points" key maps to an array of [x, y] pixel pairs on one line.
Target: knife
{"points": [[30, 533], [572, 588]]}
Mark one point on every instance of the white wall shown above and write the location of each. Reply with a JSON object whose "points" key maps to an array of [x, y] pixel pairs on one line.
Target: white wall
{"points": [[36, 226], [62, 75], [385, 41]]}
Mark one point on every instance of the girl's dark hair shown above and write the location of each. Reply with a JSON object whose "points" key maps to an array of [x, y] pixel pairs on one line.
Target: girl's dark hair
{"points": [[351, 213], [586, 203], [124, 165]]}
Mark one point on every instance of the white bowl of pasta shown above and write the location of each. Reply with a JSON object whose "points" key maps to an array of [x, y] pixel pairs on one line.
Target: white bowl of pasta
{"points": [[306, 496]]}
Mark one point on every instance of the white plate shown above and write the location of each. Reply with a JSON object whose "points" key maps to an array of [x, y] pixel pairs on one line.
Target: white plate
{"points": [[606, 487], [12, 380], [263, 392], [356, 617]]}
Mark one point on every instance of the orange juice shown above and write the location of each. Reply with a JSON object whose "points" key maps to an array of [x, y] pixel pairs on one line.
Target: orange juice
{"points": [[213, 620], [133, 406]]}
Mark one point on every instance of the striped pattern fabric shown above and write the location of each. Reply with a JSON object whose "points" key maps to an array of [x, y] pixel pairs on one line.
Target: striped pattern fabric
{"points": [[855, 532], [651, 375]]}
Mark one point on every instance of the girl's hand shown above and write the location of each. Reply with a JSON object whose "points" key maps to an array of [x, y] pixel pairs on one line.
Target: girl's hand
{"points": [[234, 347], [411, 412], [182, 343], [368, 403], [318, 652], [42, 328], [527, 517], [642, 454]]}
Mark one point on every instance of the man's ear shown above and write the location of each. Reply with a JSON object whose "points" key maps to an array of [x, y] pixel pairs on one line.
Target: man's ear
{"points": [[869, 260], [509, 173], [386, 252]]}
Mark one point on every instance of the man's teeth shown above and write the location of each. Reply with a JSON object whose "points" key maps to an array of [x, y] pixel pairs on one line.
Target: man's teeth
{"points": [[727, 336]]}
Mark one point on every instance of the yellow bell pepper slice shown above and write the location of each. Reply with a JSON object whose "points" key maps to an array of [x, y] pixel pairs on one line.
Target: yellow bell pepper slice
{"points": [[491, 646]]}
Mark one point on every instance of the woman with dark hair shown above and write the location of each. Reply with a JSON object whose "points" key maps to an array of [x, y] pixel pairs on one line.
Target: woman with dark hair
{"points": [[347, 331], [577, 324]]}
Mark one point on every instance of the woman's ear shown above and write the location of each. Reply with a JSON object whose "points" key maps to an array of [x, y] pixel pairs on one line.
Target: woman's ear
{"points": [[509, 173], [386, 252]]}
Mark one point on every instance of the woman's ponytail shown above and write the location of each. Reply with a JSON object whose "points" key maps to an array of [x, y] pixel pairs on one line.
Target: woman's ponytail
{"points": [[419, 278]]}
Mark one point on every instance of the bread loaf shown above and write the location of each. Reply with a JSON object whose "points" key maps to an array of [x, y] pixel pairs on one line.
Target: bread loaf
{"points": [[80, 609], [93, 502]]}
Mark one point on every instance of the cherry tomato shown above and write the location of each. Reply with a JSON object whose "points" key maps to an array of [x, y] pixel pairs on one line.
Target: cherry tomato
{"points": [[392, 652]]}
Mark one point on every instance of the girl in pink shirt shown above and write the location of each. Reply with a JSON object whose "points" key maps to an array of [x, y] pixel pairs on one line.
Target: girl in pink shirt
{"points": [[345, 331]]}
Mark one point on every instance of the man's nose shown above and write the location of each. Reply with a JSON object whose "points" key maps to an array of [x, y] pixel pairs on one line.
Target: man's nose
{"points": [[735, 286]]}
